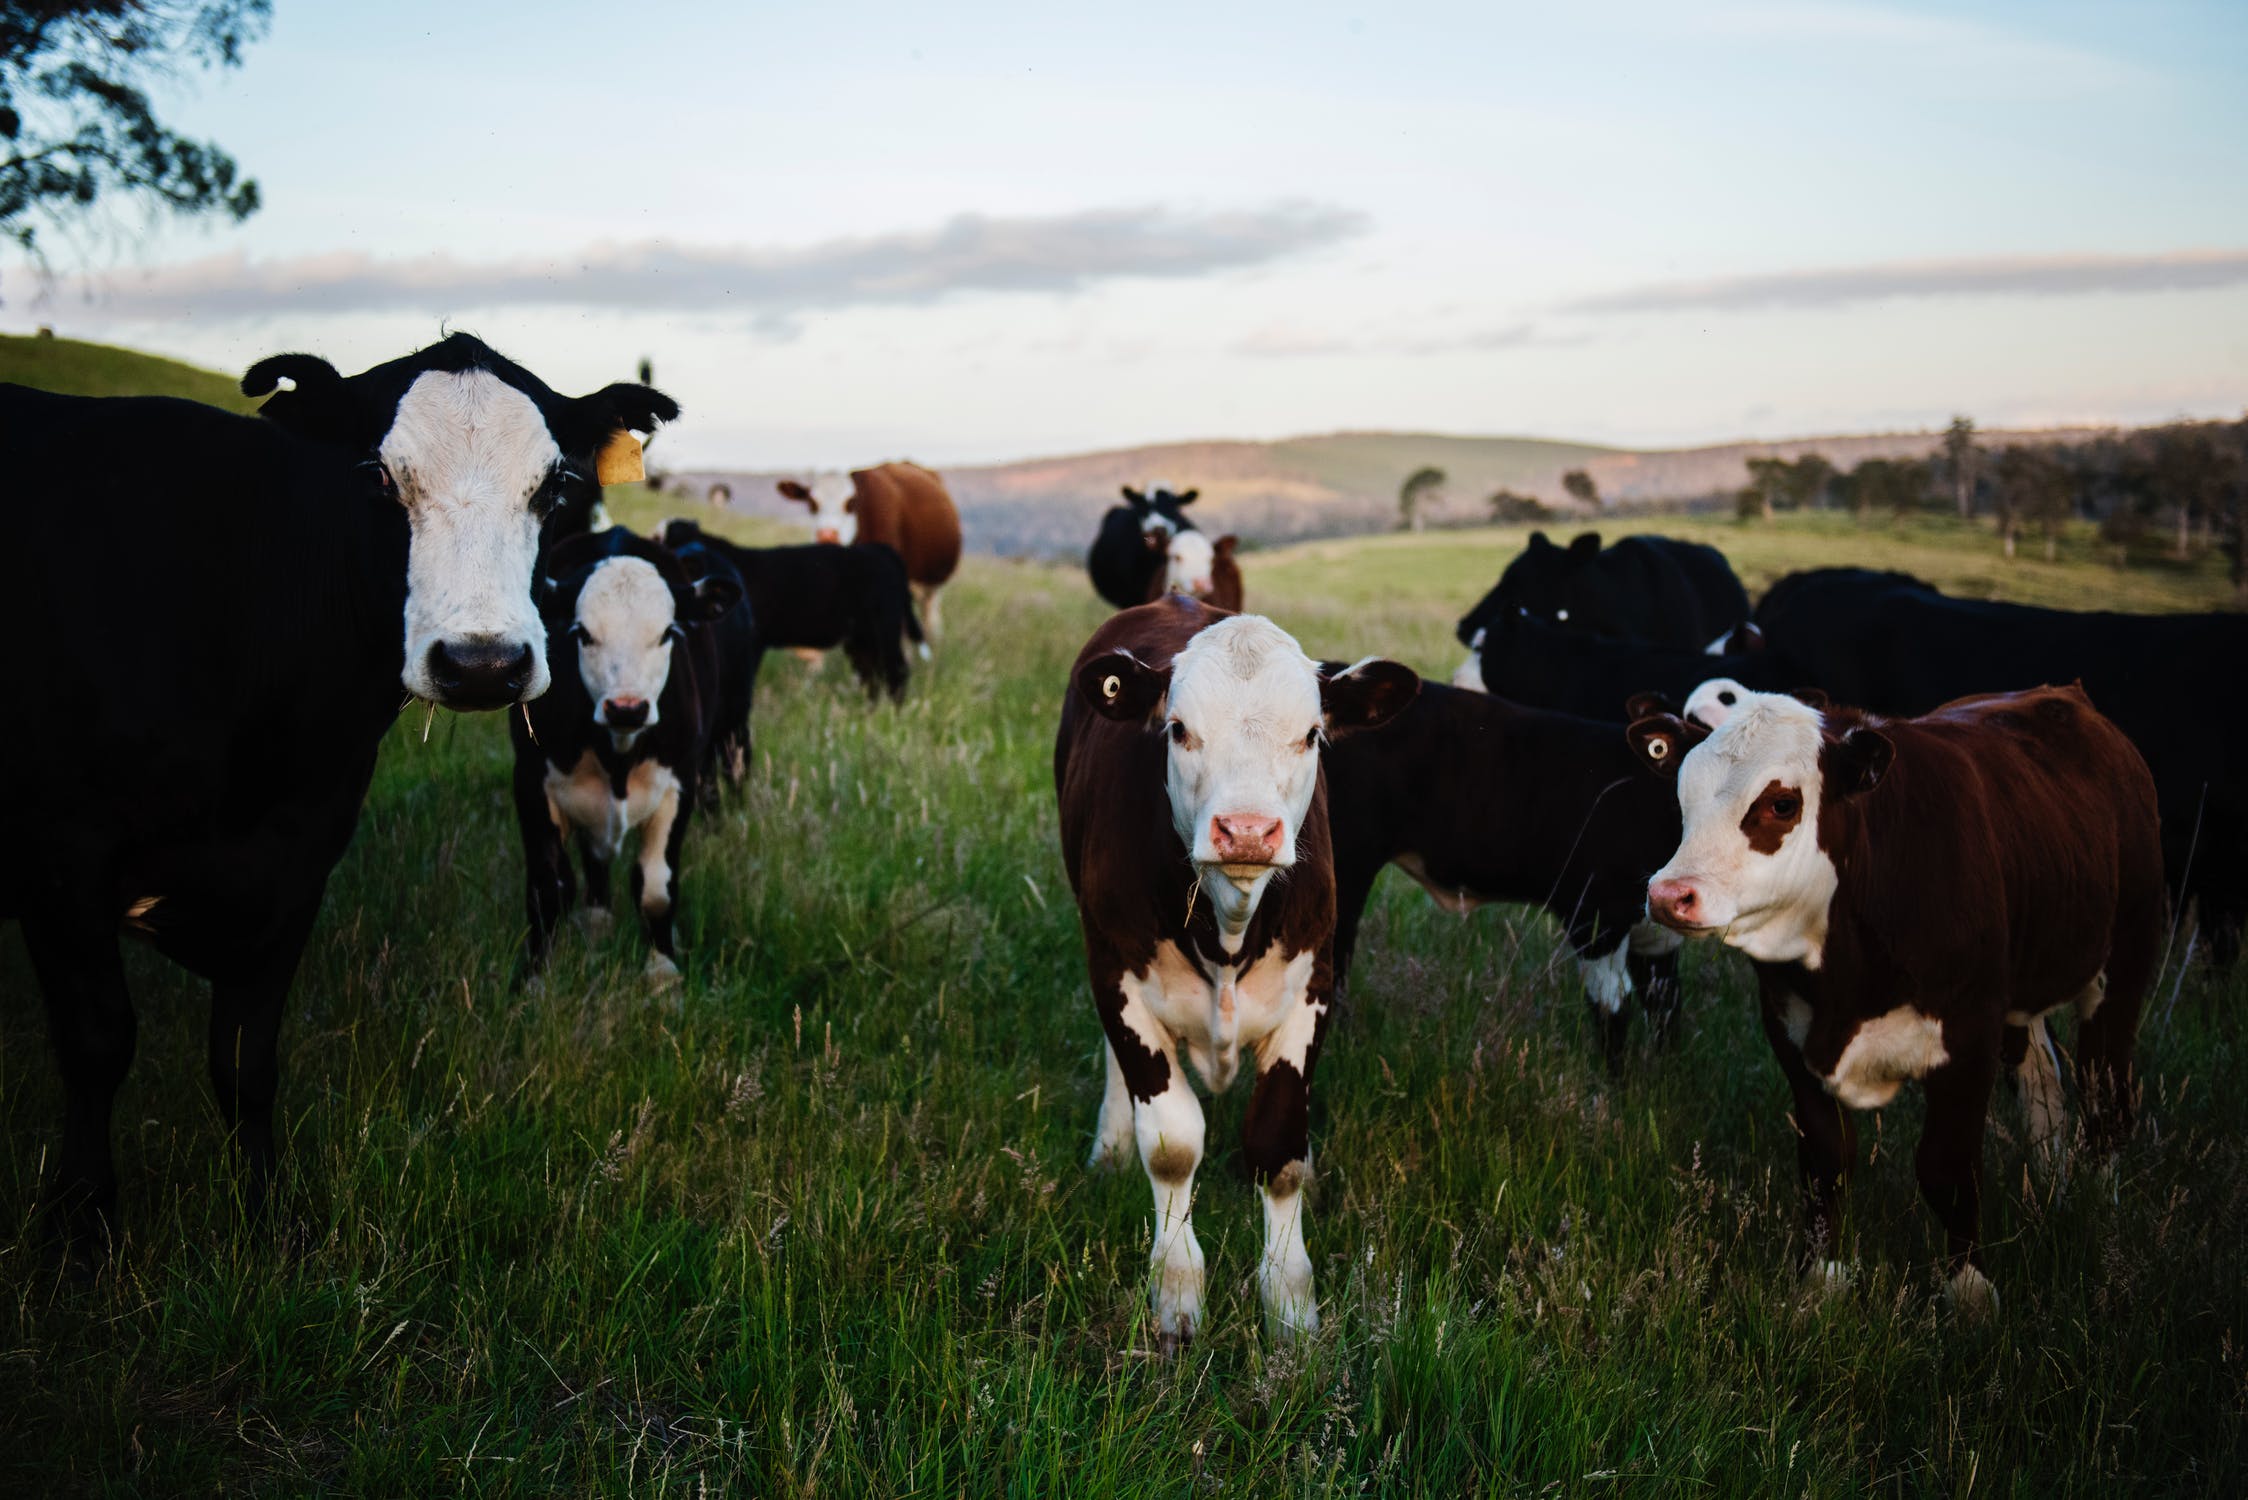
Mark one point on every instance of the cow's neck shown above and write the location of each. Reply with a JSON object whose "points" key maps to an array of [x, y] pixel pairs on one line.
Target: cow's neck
{"points": [[1232, 907]]}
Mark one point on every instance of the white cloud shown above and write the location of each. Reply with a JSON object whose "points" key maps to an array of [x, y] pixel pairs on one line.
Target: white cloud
{"points": [[2017, 275]]}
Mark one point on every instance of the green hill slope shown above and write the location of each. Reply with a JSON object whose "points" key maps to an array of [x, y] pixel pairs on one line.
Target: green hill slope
{"points": [[75, 368]]}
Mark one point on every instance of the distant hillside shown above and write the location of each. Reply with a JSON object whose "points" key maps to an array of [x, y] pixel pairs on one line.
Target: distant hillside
{"points": [[80, 369], [1331, 485]]}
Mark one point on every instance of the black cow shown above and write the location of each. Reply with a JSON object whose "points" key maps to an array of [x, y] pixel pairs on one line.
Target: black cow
{"points": [[1481, 800], [213, 679], [1889, 643], [1644, 588], [1128, 554], [1545, 666], [821, 596], [623, 738]]}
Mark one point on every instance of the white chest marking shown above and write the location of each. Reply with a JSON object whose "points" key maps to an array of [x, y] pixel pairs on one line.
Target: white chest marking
{"points": [[583, 798], [1214, 1012], [1885, 1052]]}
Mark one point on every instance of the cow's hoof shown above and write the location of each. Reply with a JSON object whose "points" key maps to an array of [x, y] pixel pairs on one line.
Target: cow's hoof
{"points": [[1169, 1342], [1111, 1155], [596, 922], [1971, 1295]]}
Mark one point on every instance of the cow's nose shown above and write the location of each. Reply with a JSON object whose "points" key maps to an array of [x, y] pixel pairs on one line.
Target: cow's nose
{"points": [[480, 673], [624, 713], [828, 535], [1245, 838], [1675, 903]]}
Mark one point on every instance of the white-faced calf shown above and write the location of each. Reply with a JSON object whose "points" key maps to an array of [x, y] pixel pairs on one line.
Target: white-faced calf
{"points": [[1918, 895], [1194, 828], [623, 738]]}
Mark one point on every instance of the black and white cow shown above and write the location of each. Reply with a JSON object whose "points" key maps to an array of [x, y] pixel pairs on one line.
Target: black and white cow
{"points": [[214, 678], [822, 596], [1654, 589], [1129, 552], [624, 736], [1483, 801], [1531, 661], [1194, 829]]}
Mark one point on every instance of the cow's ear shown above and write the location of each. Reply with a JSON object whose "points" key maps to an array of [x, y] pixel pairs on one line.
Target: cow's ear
{"points": [[1742, 639], [709, 598], [304, 371], [637, 408], [1134, 498], [1187, 498], [1647, 706], [794, 491], [1662, 741], [1366, 695], [1120, 686], [1224, 545], [1539, 541], [1811, 696], [1587, 545], [1855, 763], [320, 404]]}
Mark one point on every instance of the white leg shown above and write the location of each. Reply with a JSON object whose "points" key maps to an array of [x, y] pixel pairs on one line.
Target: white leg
{"points": [[932, 623], [1112, 1138], [1284, 1275], [1607, 979], [1281, 1155], [2039, 1081], [1170, 1132], [655, 884]]}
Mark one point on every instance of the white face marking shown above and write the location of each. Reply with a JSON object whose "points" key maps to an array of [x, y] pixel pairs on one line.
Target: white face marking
{"points": [[1770, 906], [468, 451], [831, 521], [1713, 702], [1244, 718], [1883, 1053], [625, 631], [1187, 563]]}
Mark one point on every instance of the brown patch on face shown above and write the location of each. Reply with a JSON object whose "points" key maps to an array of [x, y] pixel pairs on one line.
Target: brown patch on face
{"points": [[1170, 1163], [1776, 810]]}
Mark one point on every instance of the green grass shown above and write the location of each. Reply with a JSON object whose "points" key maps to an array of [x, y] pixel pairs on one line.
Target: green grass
{"points": [[76, 368], [820, 1225]]}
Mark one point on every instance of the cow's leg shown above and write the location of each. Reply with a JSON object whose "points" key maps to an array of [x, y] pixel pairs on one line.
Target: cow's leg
{"points": [[1826, 1137], [1607, 979], [1167, 1122], [2107, 1031], [244, 1041], [1112, 1137], [1950, 1166], [1277, 1142], [655, 876], [925, 595], [2028, 1055], [599, 915], [91, 1023], [548, 888], [1654, 974], [875, 673]]}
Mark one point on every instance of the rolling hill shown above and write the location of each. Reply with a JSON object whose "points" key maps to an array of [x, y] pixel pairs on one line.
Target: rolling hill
{"points": [[75, 368]]}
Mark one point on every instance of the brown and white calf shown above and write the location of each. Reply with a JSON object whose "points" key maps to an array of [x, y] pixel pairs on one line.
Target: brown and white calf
{"points": [[901, 506], [1195, 565], [1194, 828], [1918, 895]]}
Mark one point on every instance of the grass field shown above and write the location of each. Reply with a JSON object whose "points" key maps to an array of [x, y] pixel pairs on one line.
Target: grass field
{"points": [[818, 1223], [77, 368]]}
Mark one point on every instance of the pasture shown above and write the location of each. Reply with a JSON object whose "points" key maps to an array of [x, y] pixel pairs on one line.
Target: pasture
{"points": [[818, 1221]]}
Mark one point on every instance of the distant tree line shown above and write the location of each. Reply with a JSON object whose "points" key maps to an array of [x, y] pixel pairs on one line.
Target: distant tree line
{"points": [[2186, 483]]}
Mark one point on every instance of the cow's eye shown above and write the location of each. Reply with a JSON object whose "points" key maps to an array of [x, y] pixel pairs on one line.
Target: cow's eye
{"points": [[379, 473], [581, 635], [1785, 807], [1178, 733], [1312, 739], [672, 632]]}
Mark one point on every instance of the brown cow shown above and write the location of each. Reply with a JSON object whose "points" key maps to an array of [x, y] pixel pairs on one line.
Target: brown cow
{"points": [[1196, 566], [1918, 894], [1194, 829], [901, 505]]}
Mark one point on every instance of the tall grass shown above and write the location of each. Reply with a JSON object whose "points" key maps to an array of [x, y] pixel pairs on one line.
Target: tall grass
{"points": [[817, 1222]]}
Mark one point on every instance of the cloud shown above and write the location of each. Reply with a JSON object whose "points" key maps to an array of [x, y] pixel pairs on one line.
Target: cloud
{"points": [[1295, 343], [2032, 276], [970, 253]]}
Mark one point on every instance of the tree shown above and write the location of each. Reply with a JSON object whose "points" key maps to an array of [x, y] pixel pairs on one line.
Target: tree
{"points": [[1960, 454], [2031, 484], [1806, 480], [1509, 508], [76, 125], [1418, 487], [1581, 488], [1767, 488]]}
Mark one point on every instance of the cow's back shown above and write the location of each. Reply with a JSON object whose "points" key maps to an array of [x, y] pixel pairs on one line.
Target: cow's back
{"points": [[906, 507]]}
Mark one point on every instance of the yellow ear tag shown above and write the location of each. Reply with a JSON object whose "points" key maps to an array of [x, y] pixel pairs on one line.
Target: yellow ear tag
{"points": [[619, 460]]}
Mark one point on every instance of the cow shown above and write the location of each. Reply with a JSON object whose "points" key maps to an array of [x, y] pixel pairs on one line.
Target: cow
{"points": [[1534, 662], [1891, 643], [1195, 565], [1480, 801], [1127, 554], [1919, 894], [1194, 831], [623, 738], [897, 505], [1653, 589], [819, 597], [268, 591]]}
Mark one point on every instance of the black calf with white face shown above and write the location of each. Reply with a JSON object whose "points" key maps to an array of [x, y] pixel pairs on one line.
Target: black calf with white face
{"points": [[486, 461]]}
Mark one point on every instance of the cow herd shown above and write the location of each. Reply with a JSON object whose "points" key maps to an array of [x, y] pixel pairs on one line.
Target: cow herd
{"points": [[1929, 823]]}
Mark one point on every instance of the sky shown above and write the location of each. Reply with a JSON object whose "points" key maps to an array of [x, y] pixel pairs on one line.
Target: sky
{"points": [[976, 232]]}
